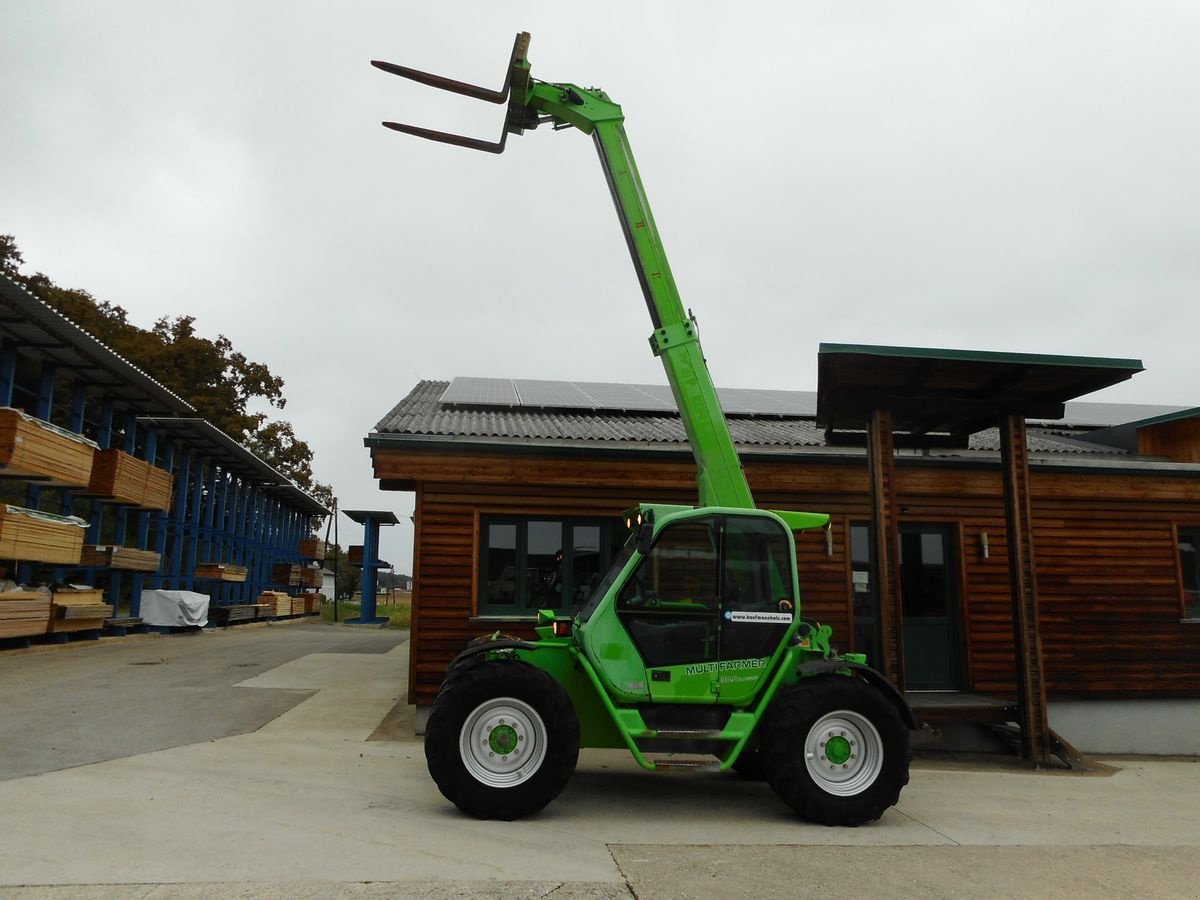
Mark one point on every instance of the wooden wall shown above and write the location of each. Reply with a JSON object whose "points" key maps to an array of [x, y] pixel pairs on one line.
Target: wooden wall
{"points": [[1105, 550], [1178, 441]]}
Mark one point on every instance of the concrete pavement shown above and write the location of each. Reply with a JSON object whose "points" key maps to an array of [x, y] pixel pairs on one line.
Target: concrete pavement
{"points": [[307, 805]]}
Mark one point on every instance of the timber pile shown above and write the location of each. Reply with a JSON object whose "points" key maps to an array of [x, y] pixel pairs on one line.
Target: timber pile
{"points": [[312, 602], [221, 572], [126, 558], [312, 548], [228, 615], [277, 602], [310, 577], [356, 554], [34, 536], [116, 475], [37, 449], [286, 573], [24, 613], [78, 609]]}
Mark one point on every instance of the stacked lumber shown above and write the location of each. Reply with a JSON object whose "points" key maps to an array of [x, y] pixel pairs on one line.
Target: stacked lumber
{"points": [[312, 548], [312, 602], [262, 610], [285, 573], [356, 554], [227, 615], [78, 609], [310, 577], [116, 475], [277, 602], [33, 448], [127, 558], [221, 572], [24, 613], [35, 536]]}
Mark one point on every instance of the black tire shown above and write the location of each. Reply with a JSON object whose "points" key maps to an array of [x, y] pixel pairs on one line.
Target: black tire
{"points": [[750, 765], [836, 750], [481, 714]]}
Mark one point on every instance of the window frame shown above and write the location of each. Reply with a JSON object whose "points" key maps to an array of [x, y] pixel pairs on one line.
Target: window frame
{"points": [[520, 611], [1189, 613]]}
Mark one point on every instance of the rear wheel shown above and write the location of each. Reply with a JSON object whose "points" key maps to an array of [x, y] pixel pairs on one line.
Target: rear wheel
{"points": [[502, 739], [836, 751]]}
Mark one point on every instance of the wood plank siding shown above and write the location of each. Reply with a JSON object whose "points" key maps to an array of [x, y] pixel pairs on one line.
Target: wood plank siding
{"points": [[1105, 552]]}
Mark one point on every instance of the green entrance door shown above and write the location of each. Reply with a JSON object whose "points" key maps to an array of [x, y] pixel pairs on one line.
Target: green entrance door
{"points": [[928, 586]]}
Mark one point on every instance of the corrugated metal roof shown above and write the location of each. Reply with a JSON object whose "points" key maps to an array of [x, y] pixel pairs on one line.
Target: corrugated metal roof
{"points": [[422, 416], [32, 323]]}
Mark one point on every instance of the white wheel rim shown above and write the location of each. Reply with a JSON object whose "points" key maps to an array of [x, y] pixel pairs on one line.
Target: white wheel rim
{"points": [[843, 753], [503, 742]]}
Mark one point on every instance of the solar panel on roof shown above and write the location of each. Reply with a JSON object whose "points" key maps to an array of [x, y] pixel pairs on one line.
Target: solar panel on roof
{"points": [[594, 395], [482, 391], [639, 397], [552, 394]]}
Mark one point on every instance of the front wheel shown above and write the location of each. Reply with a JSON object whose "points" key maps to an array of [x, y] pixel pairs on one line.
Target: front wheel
{"points": [[836, 751], [502, 740]]}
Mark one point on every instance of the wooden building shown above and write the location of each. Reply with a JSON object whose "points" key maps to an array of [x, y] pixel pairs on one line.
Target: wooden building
{"points": [[519, 488]]}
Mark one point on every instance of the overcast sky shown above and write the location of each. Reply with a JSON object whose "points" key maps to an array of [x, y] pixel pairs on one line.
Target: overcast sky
{"points": [[1013, 176]]}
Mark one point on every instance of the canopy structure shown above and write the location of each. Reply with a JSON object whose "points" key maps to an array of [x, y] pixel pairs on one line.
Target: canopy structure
{"points": [[951, 393], [370, 520], [926, 397]]}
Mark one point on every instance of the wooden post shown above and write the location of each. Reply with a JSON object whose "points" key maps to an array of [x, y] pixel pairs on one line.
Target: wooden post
{"points": [[1027, 640], [885, 545]]}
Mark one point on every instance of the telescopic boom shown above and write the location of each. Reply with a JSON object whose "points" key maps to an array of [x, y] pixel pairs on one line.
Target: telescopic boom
{"points": [[675, 339]]}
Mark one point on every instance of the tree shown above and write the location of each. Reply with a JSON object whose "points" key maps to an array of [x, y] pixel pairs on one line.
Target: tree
{"points": [[209, 374]]}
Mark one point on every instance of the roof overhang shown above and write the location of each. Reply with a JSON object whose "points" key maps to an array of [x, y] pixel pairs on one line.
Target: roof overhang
{"points": [[362, 516], [208, 440], [951, 393], [34, 325]]}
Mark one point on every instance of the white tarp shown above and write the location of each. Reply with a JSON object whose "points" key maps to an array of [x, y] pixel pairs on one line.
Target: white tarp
{"points": [[174, 608]]}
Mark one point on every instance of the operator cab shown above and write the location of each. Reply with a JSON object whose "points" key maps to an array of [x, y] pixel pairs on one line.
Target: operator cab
{"points": [[696, 606]]}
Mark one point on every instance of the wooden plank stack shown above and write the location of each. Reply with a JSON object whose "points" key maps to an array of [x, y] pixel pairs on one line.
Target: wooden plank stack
{"points": [[229, 615], [221, 572], [312, 548], [286, 573], [277, 602], [310, 577], [312, 602], [125, 558], [78, 609], [355, 555], [27, 534], [24, 613], [36, 449], [116, 475]]}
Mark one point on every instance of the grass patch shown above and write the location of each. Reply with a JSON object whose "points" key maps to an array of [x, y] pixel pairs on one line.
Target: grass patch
{"points": [[399, 612]]}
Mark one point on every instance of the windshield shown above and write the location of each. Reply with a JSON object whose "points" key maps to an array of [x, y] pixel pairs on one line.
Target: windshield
{"points": [[610, 577]]}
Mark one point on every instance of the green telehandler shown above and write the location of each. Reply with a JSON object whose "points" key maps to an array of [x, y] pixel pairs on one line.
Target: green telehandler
{"points": [[690, 652]]}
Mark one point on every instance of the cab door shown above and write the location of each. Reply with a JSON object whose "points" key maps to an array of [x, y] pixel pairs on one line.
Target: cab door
{"points": [[758, 602], [670, 607]]}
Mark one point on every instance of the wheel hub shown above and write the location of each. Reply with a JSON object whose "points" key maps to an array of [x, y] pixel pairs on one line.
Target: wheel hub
{"points": [[843, 753], [503, 742], [503, 738]]}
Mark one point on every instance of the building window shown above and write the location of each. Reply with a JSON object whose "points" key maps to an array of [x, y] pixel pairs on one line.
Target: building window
{"points": [[1189, 566], [527, 564]]}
